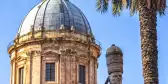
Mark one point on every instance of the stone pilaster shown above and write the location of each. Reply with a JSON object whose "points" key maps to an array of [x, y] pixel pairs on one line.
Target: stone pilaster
{"points": [[13, 73], [68, 70], [73, 70], [36, 67], [91, 71], [63, 69], [95, 69]]}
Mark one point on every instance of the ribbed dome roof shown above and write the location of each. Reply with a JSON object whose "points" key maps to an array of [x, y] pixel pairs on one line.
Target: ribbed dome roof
{"points": [[53, 15], [113, 49]]}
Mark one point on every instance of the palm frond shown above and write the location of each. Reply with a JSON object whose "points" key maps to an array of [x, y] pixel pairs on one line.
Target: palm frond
{"points": [[158, 5], [124, 3], [132, 5], [161, 7], [102, 5], [117, 7], [128, 3]]}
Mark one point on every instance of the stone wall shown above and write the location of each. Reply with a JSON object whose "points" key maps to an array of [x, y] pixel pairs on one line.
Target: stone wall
{"points": [[67, 56]]}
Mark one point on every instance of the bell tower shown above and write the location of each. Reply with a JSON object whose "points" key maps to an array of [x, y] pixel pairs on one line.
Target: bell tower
{"points": [[54, 45]]}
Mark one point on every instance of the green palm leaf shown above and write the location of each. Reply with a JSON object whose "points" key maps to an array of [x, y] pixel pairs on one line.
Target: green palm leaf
{"points": [[132, 5]]}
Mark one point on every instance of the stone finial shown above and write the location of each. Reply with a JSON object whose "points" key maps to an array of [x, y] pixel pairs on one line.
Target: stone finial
{"points": [[113, 50], [44, 0], [62, 27], [113, 45], [72, 28]]}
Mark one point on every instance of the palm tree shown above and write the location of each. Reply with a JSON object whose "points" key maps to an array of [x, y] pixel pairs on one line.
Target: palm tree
{"points": [[148, 10]]}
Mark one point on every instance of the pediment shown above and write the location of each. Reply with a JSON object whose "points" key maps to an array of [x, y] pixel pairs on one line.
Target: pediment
{"points": [[50, 53]]}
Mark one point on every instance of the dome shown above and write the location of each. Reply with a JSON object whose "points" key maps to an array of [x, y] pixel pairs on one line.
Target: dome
{"points": [[54, 15], [113, 49]]}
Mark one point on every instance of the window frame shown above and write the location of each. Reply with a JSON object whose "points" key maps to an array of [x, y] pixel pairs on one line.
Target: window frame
{"points": [[21, 75], [56, 71], [50, 79], [79, 75]]}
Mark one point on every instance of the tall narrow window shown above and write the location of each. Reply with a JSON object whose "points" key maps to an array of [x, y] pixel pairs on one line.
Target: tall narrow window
{"points": [[50, 71], [21, 74], [81, 74]]}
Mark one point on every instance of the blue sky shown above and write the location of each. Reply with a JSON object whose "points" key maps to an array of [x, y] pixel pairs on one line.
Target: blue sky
{"points": [[122, 31]]}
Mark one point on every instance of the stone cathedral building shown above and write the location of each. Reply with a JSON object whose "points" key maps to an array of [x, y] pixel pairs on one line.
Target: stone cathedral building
{"points": [[54, 45]]}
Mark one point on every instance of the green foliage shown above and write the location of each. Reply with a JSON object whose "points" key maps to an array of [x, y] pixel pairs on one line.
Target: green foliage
{"points": [[117, 7], [43, 0], [102, 5], [132, 5]]}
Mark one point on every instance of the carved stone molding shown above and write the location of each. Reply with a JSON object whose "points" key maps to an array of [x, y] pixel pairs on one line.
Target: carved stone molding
{"points": [[29, 53], [20, 58], [50, 53], [68, 52], [36, 52], [82, 60], [51, 47], [49, 58]]}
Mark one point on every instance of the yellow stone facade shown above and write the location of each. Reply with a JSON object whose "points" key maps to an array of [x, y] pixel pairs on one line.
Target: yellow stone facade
{"points": [[66, 49]]}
